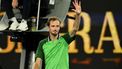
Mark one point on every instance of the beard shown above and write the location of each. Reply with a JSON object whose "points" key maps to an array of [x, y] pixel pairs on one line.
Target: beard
{"points": [[55, 33]]}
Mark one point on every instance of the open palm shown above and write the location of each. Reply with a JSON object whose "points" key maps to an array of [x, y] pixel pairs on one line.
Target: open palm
{"points": [[77, 6]]}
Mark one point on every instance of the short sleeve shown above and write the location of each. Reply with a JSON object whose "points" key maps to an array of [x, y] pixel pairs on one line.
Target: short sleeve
{"points": [[67, 38], [39, 51]]}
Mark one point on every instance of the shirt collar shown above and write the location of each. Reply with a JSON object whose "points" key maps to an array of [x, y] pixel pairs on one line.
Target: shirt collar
{"points": [[50, 39]]}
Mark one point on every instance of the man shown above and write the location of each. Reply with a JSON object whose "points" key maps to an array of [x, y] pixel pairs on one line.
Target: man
{"points": [[52, 52], [8, 6]]}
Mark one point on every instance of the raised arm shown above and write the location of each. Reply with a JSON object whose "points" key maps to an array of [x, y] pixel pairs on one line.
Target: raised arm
{"points": [[76, 24]]}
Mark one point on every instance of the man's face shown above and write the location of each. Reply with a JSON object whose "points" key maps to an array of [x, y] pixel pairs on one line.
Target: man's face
{"points": [[54, 27]]}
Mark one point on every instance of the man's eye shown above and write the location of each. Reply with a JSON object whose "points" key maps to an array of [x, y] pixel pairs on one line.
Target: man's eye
{"points": [[57, 26], [52, 26]]}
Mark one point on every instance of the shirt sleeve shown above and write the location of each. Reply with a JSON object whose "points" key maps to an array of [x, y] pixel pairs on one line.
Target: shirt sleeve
{"points": [[67, 38], [39, 51]]}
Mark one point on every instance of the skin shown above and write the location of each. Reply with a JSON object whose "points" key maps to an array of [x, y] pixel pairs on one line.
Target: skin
{"points": [[14, 3], [54, 29]]}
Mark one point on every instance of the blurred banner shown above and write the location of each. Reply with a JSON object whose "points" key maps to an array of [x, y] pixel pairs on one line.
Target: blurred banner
{"points": [[98, 44]]}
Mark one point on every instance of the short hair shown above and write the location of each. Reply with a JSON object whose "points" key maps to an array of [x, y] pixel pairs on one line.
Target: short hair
{"points": [[54, 18]]}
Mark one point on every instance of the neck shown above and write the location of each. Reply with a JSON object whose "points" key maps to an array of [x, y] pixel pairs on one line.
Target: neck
{"points": [[52, 37]]}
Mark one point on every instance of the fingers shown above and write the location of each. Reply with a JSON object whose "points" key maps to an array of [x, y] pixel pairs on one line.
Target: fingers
{"points": [[77, 6], [76, 3], [74, 10], [80, 3]]}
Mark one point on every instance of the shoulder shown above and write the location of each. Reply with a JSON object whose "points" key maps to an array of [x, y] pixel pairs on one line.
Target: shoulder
{"points": [[66, 35], [42, 42], [68, 38]]}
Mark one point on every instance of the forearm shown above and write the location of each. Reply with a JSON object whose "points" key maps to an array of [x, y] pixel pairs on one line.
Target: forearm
{"points": [[75, 25], [77, 22]]}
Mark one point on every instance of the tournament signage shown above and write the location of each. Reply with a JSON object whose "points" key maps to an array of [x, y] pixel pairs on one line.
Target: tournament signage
{"points": [[100, 40]]}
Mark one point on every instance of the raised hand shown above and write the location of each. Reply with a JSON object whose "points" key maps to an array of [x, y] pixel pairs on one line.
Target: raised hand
{"points": [[77, 6]]}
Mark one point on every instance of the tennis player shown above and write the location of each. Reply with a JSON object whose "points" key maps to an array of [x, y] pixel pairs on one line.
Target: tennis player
{"points": [[52, 52]]}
